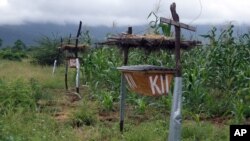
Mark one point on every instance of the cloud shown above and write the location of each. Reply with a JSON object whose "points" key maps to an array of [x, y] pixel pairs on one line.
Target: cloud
{"points": [[123, 12]]}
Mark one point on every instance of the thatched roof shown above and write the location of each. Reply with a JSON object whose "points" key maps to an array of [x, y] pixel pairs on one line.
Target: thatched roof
{"points": [[71, 47], [148, 42]]}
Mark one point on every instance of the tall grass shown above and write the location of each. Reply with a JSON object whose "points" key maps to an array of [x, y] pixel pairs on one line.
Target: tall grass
{"points": [[11, 70], [20, 93], [29, 126]]}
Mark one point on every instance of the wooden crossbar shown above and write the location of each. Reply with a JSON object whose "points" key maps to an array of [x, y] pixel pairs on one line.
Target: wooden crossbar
{"points": [[181, 25]]}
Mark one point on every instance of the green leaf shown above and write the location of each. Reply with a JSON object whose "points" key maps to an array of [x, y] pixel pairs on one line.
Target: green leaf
{"points": [[149, 15], [166, 29], [205, 36]]}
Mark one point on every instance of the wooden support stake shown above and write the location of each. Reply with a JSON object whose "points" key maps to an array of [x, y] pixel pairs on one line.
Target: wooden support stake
{"points": [[66, 67], [77, 59], [66, 75], [175, 23], [69, 38], [177, 40], [123, 85], [77, 38], [175, 118]]}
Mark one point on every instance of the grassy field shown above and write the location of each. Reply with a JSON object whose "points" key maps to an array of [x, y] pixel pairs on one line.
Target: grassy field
{"points": [[34, 105], [56, 117]]}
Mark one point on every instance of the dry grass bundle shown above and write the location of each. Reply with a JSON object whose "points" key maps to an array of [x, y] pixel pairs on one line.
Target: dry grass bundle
{"points": [[149, 42]]}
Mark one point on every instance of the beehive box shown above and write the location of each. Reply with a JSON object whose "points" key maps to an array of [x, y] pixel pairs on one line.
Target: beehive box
{"points": [[147, 79], [72, 62]]}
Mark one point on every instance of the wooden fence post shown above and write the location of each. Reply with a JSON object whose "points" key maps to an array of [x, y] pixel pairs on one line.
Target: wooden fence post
{"points": [[175, 118], [123, 85], [66, 66], [77, 59]]}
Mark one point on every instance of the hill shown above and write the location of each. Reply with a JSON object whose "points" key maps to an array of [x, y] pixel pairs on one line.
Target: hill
{"points": [[30, 33]]}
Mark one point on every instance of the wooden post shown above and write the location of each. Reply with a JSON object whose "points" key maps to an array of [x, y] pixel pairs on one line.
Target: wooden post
{"points": [[123, 85], [175, 119], [177, 40], [66, 74], [77, 38], [66, 66], [77, 59]]}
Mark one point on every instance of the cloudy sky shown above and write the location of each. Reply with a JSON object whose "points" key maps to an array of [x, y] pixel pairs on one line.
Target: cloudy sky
{"points": [[121, 12]]}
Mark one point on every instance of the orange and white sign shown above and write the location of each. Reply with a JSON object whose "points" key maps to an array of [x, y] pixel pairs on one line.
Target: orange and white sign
{"points": [[149, 83], [72, 63]]}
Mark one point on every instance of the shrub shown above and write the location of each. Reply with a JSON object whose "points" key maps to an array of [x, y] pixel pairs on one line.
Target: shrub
{"points": [[18, 46], [8, 54], [47, 52], [1, 42], [84, 116]]}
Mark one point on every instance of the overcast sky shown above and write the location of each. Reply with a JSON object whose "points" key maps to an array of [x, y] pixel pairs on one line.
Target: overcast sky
{"points": [[121, 12]]}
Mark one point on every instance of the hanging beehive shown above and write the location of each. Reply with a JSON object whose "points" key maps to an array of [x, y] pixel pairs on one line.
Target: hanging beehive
{"points": [[148, 79], [72, 62], [70, 53]]}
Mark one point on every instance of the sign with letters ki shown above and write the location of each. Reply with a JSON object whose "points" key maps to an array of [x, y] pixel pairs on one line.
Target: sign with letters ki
{"points": [[155, 84], [239, 132]]}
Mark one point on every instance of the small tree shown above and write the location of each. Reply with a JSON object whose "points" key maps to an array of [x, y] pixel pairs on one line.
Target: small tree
{"points": [[1, 42], [47, 52], [14, 53], [19, 46]]}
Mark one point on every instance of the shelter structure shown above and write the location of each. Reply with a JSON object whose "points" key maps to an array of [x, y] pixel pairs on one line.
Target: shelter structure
{"points": [[154, 80], [72, 50]]}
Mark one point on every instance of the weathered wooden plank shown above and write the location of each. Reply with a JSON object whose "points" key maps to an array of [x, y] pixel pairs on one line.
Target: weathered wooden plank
{"points": [[148, 80], [176, 18], [172, 22], [150, 44]]}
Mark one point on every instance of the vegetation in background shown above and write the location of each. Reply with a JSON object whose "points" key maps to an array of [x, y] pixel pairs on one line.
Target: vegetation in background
{"points": [[99, 69], [14, 53], [1, 42], [19, 46], [217, 76], [47, 52], [155, 25]]}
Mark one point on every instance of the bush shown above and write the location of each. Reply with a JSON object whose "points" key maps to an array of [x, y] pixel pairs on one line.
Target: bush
{"points": [[14, 53], [84, 116], [8, 54], [47, 52]]}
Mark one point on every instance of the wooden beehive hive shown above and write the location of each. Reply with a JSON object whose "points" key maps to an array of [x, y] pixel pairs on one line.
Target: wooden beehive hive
{"points": [[72, 62], [71, 50], [147, 79]]}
